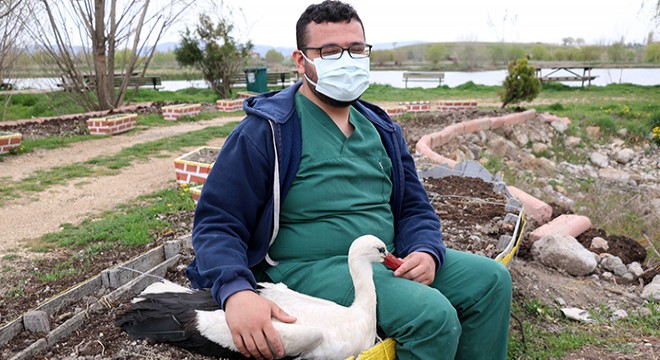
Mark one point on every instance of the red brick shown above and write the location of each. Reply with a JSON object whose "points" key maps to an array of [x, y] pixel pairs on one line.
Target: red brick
{"points": [[567, 224], [197, 179], [535, 209]]}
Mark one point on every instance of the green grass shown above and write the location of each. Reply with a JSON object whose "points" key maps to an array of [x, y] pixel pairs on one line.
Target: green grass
{"points": [[128, 225], [26, 106], [548, 335]]}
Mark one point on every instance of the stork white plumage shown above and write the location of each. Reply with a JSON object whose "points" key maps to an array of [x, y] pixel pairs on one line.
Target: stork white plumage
{"points": [[167, 312]]}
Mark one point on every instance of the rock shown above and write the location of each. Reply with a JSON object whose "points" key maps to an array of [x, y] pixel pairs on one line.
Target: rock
{"points": [[36, 321], [614, 175], [613, 264], [624, 156], [593, 131], [623, 132], [572, 141], [539, 148], [503, 147], [560, 126], [635, 268], [564, 252], [521, 139], [598, 245], [651, 291], [560, 301], [619, 314], [599, 159]]}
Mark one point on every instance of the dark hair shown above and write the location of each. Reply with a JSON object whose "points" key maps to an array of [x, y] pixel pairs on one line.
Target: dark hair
{"points": [[327, 11]]}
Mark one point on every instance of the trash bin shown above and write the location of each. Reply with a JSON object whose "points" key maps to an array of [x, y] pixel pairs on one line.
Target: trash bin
{"points": [[256, 79]]}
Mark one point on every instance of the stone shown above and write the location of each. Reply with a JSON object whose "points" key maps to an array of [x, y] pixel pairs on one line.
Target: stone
{"points": [[651, 291], [635, 268], [598, 245], [36, 321], [614, 175], [624, 156], [559, 126], [539, 147], [599, 159], [610, 262], [566, 253], [593, 131], [572, 141], [619, 314], [521, 139]]}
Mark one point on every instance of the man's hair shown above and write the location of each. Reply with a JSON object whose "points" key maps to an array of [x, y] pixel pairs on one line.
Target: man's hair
{"points": [[328, 11]]}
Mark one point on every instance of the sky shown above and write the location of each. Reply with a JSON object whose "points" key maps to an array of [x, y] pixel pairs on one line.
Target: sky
{"points": [[270, 22]]}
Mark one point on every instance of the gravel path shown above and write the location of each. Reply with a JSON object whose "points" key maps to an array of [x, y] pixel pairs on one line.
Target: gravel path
{"points": [[29, 218]]}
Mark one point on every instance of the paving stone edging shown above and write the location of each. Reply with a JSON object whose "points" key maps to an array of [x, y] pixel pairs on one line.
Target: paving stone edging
{"points": [[127, 280], [534, 208]]}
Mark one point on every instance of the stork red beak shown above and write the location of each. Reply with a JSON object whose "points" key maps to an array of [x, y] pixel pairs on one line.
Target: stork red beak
{"points": [[392, 261]]}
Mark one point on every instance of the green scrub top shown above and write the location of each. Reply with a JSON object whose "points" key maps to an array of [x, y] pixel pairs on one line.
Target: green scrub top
{"points": [[341, 191]]}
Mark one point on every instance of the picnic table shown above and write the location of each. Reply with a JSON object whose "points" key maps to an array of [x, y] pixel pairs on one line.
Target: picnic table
{"points": [[567, 73]]}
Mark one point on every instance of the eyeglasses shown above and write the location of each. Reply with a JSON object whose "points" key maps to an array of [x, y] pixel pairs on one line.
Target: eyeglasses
{"points": [[334, 52]]}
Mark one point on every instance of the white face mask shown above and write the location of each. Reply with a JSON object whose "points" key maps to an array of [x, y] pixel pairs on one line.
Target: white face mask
{"points": [[344, 79]]}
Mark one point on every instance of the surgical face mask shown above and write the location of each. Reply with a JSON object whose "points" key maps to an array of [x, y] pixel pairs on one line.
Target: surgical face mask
{"points": [[343, 79]]}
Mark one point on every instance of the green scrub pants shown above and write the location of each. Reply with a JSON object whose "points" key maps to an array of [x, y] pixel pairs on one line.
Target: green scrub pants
{"points": [[464, 314]]}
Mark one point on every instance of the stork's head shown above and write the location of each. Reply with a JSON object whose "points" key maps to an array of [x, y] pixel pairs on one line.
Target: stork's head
{"points": [[368, 247]]}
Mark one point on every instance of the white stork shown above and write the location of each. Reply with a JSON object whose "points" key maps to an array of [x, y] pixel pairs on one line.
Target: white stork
{"points": [[167, 312]]}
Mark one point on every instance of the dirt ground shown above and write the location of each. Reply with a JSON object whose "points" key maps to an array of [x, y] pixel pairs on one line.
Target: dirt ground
{"points": [[71, 203]]}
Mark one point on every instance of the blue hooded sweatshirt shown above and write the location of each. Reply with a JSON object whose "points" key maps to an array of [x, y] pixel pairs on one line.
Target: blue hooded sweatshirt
{"points": [[237, 216]]}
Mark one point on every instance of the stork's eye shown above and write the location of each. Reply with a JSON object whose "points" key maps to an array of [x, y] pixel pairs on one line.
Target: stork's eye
{"points": [[382, 250]]}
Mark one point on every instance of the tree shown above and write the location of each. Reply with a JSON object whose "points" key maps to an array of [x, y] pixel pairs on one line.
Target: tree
{"points": [[11, 35], [616, 52], [274, 57], [520, 84], [213, 50], [652, 53], [78, 34], [540, 52], [436, 53]]}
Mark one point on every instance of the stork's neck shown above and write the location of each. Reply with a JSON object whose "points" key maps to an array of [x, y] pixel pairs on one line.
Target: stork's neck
{"points": [[365, 290]]}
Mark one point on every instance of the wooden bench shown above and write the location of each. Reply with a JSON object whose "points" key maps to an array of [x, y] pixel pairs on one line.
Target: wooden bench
{"points": [[282, 79], [155, 81], [423, 76]]}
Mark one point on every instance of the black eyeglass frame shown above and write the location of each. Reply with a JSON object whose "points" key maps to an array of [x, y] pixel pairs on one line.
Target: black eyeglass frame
{"points": [[367, 53]]}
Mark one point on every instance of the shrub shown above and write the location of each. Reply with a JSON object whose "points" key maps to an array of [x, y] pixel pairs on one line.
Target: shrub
{"points": [[521, 83]]}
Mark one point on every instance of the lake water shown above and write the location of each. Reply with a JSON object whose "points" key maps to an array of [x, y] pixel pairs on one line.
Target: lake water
{"points": [[604, 77]]}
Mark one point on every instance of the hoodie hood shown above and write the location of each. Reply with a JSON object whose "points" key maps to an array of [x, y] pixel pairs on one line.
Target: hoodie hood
{"points": [[279, 106]]}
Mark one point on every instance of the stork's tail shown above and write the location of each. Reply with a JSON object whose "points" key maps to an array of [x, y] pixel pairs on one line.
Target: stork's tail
{"points": [[170, 317]]}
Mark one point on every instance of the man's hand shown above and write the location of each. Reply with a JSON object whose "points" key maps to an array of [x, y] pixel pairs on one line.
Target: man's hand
{"points": [[249, 319], [417, 266]]}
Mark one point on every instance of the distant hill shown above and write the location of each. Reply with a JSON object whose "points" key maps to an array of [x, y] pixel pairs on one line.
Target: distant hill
{"points": [[286, 51]]}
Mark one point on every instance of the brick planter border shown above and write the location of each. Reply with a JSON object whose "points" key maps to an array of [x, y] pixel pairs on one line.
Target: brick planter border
{"points": [[417, 106], [174, 112], [534, 208], [188, 171], [110, 125], [9, 141], [196, 192], [229, 105]]}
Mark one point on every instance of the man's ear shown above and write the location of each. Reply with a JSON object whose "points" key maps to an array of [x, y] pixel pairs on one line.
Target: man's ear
{"points": [[299, 61]]}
